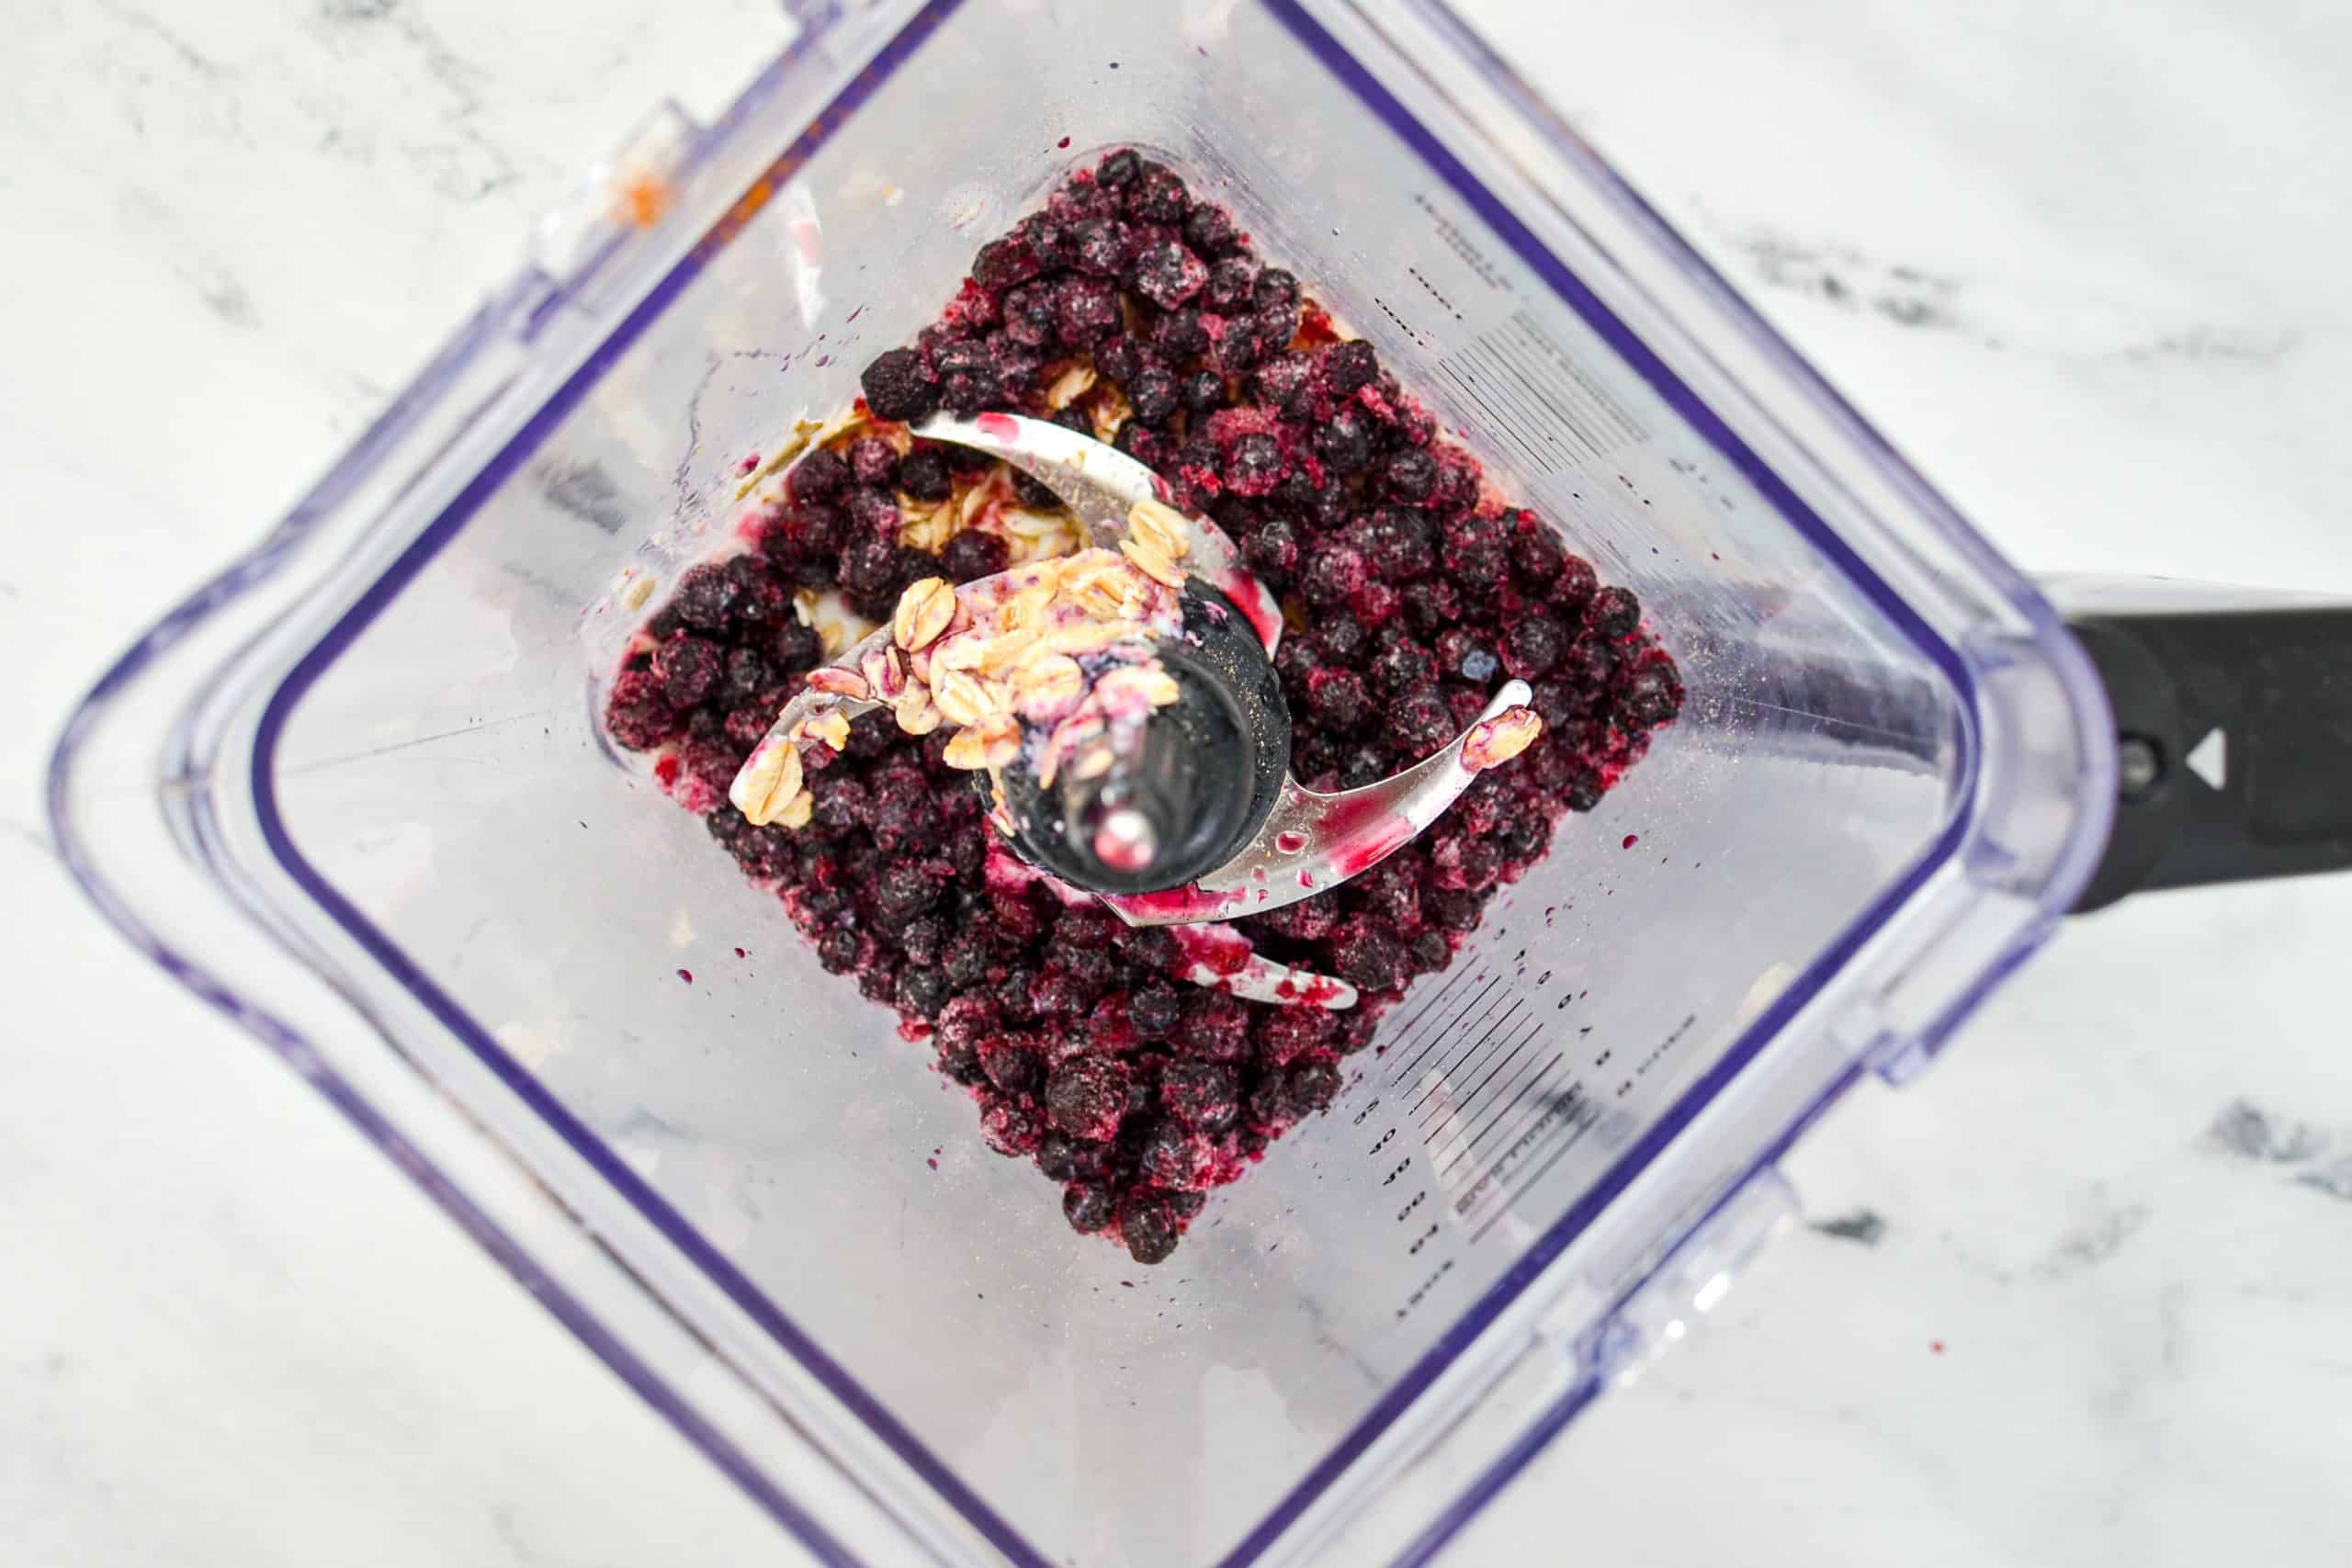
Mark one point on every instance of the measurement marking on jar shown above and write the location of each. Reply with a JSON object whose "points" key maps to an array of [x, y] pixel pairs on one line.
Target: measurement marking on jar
{"points": [[1385, 1139], [1453, 1066], [1574, 1111], [1422, 1293], [1494, 421], [1443, 1074], [1527, 1087], [1428, 1004], [1546, 1104], [1402, 1040], [1467, 1105], [1434, 1027], [1503, 1034], [1561, 1108], [1403, 1166], [1421, 1241], [1419, 1198], [1439, 1037]]}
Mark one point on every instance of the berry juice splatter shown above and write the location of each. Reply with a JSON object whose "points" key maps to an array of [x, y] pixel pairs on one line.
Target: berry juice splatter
{"points": [[1084, 1050]]}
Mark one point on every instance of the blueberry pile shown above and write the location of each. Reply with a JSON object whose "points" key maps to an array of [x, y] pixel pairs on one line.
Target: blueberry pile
{"points": [[1418, 588]]}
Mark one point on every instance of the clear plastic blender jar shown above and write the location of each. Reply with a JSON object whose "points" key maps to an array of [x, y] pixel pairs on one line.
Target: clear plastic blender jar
{"points": [[353, 793]]}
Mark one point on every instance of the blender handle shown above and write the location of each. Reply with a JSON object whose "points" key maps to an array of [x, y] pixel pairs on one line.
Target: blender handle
{"points": [[2234, 728]]}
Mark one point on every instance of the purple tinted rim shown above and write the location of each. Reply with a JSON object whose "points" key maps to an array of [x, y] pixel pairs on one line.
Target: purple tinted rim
{"points": [[583, 1322]]}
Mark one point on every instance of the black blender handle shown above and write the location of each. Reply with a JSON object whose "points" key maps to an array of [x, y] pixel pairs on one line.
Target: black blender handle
{"points": [[2233, 729]]}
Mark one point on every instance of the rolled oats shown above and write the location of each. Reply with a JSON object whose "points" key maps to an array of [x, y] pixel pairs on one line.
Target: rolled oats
{"points": [[1069, 386], [1152, 562], [1047, 684], [961, 699], [961, 651], [831, 726], [924, 611], [1496, 741], [840, 683], [768, 783], [885, 673], [1006, 648], [1136, 683], [993, 742], [1162, 527], [916, 712]]}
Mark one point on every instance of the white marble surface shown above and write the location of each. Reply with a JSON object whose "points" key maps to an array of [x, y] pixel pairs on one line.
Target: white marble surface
{"points": [[2084, 262]]}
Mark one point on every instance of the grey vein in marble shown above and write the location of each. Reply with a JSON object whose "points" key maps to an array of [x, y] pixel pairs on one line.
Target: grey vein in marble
{"points": [[584, 490], [1865, 1226]]}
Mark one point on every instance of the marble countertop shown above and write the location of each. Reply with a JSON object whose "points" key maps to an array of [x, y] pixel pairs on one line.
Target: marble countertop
{"points": [[2078, 1296]]}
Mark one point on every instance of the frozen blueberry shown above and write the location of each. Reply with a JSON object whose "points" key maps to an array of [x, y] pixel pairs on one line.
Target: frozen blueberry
{"points": [[1086, 1096], [1088, 1207], [1006, 263], [1653, 694], [922, 991], [1410, 475], [1209, 229], [689, 667], [1202, 1095], [1201, 390], [1144, 445], [1338, 699], [1349, 366], [1230, 281], [873, 461], [1031, 316], [973, 554], [1369, 960], [1086, 310], [1102, 246], [1153, 1011], [1281, 377], [1149, 1227], [1532, 644], [1342, 443], [1254, 466], [1236, 346], [796, 647], [1178, 1158], [1340, 640], [1272, 549], [820, 475], [1156, 196], [1313, 1085], [1476, 551], [898, 387], [922, 474], [1403, 668], [1333, 570], [1180, 335], [636, 713], [1117, 168], [706, 597], [1121, 358], [1153, 395], [1615, 612], [1010, 1128], [1167, 274]]}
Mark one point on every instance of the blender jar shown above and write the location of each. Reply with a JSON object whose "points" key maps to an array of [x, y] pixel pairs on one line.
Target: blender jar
{"points": [[353, 793]]}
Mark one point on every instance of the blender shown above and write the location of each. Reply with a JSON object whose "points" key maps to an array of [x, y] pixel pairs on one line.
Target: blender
{"points": [[352, 793]]}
